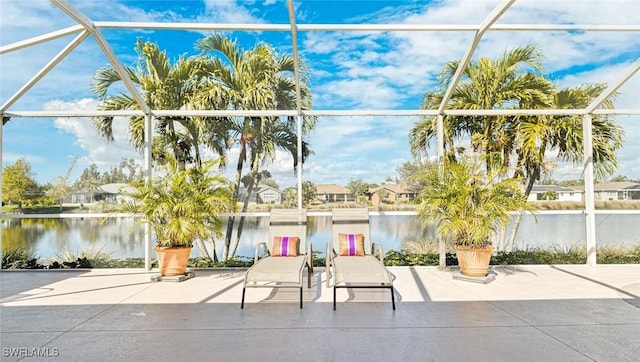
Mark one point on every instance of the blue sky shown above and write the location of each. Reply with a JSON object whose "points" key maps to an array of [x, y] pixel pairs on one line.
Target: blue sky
{"points": [[363, 70]]}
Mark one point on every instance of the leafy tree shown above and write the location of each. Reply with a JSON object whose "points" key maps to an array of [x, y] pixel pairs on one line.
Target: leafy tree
{"points": [[19, 184], [270, 182], [619, 178], [128, 171], [61, 187], [90, 180], [290, 197], [357, 187], [391, 180], [290, 194], [309, 192], [410, 169], [572, 183]]}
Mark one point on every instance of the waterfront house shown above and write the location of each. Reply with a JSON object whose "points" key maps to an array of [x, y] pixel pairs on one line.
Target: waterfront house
{"points": [[555, 193], [390, 193], [333, 193]]}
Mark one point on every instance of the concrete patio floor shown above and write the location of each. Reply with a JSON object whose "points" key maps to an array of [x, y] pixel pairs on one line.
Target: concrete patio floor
{"points": [[529, 313]]}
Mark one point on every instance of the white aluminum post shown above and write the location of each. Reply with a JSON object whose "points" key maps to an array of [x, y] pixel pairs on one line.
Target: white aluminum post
{"points": [[296, 79], [299, 155], [442, 258], [589, 202], [148, 121], [1, 168]]}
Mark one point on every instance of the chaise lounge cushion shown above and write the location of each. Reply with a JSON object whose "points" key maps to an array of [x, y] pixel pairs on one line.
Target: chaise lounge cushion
{"points": [[286, 246], [351, 244]]}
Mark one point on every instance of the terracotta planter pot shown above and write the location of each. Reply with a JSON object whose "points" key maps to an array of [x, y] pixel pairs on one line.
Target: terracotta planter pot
{"points": [[173, 260], [474, 261]]}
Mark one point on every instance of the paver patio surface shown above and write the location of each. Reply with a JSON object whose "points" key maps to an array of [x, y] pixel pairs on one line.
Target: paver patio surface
{"points": [[529, 313]]}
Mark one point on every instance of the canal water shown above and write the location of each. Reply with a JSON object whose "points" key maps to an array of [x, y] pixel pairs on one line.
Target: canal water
{"points": [[121, 238]]}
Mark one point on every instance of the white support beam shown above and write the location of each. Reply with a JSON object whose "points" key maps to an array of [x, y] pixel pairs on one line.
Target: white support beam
{"points": [[442, 252], [191, 26], [566, 27], [468, 27], [362, 27], [40, 39], [88, 24], [296, 65], [299, 156], [617, 111], [148, 138], [589, 202], [296, 78], [1, 166], [225, 113], [50, 114], [484, 26], [614, 86], [46, 69], [324, 113]]}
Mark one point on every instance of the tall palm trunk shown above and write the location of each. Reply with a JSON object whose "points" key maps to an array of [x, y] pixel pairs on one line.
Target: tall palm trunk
{"points": [[203, 249], [232, 218], [503, 238], [518, 219], [245, 206], [174, 146]]}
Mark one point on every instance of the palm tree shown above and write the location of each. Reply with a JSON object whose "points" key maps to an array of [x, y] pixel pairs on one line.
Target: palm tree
{"points": [[549, 195], [163, 86], [183, 205], [255, 79], [466, 204], [514, 80], [541, 134]]}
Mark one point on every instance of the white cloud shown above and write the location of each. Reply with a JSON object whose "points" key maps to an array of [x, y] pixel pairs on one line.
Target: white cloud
{"points": [[229, 11], [97, 150]]}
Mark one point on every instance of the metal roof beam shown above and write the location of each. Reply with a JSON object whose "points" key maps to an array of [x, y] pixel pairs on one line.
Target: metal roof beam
{"points": [[484, 26], [88, 24], [40, 39], [296, 65], [361, 27], [52, 63], [325, 113], [613, 87]]}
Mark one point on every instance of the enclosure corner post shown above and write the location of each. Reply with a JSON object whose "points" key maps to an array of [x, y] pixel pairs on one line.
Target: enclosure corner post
{"points": [[148, 124], [589, 202], [442, 253]]}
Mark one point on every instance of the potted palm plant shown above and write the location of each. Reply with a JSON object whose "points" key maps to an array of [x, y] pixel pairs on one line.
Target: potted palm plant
{"points": [[182, 205], [468, 206]]}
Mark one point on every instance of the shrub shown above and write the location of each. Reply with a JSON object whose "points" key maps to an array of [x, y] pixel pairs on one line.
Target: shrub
{"points": [[20, 258], [87, 258]]}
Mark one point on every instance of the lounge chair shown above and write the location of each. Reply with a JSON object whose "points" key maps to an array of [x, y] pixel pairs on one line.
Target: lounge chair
{"points": [[283, 261], [351, 259]]}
